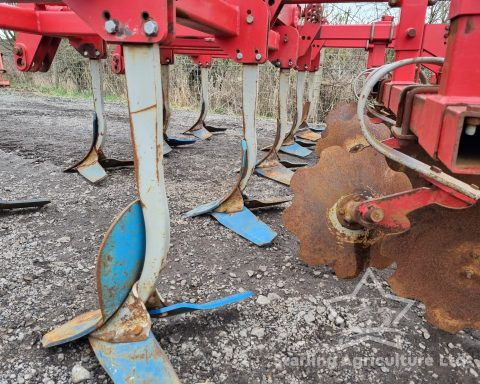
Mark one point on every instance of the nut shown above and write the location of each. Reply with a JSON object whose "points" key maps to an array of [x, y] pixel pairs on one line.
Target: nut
{"points": [[249, 19], [111, 26], [411, 32], [150, 28]]}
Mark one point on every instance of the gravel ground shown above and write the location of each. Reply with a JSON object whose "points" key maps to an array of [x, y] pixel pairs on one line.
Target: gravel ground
{"points": [[288, 333]]}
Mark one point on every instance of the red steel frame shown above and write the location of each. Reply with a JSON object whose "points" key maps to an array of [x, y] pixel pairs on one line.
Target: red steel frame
{"points": [[239, 30], [439, 116]]}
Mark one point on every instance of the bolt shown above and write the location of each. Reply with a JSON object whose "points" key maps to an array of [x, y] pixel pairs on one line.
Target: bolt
{"points": [[97, 53], [290, 63], [111, 26], [239, 56], [18, 51], [85, 53], [375, 215], [435, 169], [150, 28], [258, 56], [285, 39], [470, 130], [167, 60], [278, 63], [411, 32], [250, 19]]}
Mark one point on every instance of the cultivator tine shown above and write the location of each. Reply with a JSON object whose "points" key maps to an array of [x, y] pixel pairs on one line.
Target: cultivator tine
{"points": [[231, 210], [18, 204], [170, 140], [200, 129], [307, 135], [136, 246], [92, 166], [270, 166], [289, 145]]}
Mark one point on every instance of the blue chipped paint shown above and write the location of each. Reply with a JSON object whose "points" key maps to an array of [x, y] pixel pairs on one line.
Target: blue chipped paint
{"points": [[121, 259]]}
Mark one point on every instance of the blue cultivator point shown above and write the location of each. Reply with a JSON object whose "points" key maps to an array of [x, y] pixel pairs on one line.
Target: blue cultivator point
{"points": [[179, 141], [179, 308], [295, 149], [239, 218], [319, 128], [201, 130], [170, 141], [247, 225]]}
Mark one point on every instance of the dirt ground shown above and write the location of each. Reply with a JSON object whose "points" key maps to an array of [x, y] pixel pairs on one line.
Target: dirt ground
{"points": [[287, 333]]}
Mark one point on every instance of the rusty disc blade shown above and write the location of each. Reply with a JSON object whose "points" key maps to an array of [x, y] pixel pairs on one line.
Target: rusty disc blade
{"points": [[320, 193], [348, 134], [438, 263], [343, 111]]}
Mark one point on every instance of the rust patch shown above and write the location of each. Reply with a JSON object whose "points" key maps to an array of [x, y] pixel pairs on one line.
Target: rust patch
{"points": [[348, 134], [130, 323], [233, 204], [438, 263], [312, 217]]}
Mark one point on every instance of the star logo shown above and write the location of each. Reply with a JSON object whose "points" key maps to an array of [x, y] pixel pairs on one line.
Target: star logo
{"points": [[368, 314]]}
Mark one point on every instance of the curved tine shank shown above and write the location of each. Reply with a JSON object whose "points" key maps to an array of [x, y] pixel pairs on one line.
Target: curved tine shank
{"points": [[249, 97], [98, 102], [167, 112], [282, 129], [300, 87], [142, 65]]}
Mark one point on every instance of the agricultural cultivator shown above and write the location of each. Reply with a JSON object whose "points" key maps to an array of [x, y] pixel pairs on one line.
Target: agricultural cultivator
{"points": [[396, 181]]}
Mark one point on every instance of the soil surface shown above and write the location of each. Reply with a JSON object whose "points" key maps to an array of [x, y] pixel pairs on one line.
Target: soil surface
{"points": [[292, 331]]}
